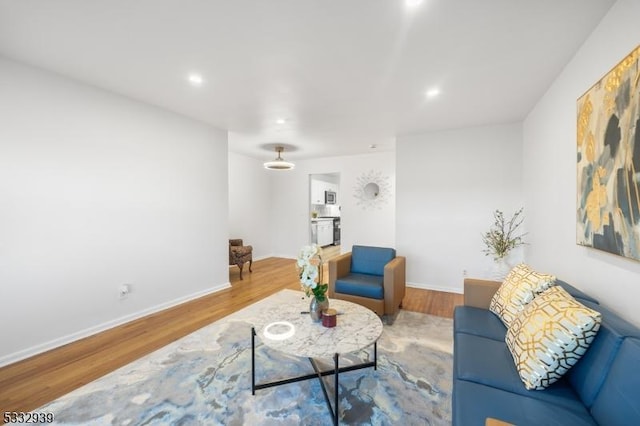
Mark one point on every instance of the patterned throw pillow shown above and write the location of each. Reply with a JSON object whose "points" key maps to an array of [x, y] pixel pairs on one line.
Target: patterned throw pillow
{"points": [[550, 336], [518, 290]]}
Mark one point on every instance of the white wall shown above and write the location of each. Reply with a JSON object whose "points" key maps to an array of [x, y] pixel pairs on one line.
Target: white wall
{"points": [[250, 203], [550, 170], [97, 190], [290, 213], [449, 183]]}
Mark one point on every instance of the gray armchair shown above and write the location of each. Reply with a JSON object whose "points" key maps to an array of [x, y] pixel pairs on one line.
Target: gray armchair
{"points": [[373, 277]]}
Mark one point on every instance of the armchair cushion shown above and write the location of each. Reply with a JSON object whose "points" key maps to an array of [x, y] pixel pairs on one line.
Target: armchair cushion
{"points": [[370, 260], [371, 286], [239, 252]]}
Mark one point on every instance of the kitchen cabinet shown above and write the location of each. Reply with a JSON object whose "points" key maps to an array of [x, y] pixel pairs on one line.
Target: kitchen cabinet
{"points": [[317, 191], [318, 187]]}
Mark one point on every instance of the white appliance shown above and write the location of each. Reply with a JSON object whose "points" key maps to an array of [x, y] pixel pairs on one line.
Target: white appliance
{"points": [[314, 232], [322, 231]]}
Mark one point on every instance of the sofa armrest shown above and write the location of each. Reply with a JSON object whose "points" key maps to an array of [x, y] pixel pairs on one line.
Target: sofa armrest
{"points": [[338, 267], [394, 284], [478, 293]]}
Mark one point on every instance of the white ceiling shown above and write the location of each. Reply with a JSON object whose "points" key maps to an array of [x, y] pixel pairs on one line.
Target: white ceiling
{"points": [[344, 74]]}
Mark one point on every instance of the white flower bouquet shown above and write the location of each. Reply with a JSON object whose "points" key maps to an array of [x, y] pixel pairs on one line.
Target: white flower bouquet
{"points": [[309, 265]]}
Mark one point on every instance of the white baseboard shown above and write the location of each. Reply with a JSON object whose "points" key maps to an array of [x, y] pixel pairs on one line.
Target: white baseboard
{"points": [[266, 256], [459, 290], [285, 256], [52, 344]]}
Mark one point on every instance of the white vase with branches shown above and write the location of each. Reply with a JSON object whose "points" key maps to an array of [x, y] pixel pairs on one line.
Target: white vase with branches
{"points": [[503, 236]]}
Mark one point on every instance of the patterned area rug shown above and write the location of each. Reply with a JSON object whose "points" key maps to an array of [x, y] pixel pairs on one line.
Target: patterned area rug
{"points": [[205, 379]]}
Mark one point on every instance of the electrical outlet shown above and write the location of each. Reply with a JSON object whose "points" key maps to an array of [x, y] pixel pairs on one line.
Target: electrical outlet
{"points": [[464, 273], [124, 290]]}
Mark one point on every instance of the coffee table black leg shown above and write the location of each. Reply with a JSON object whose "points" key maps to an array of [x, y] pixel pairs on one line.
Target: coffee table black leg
{"points": [[375, 355], [253, 361], [336, 412]]}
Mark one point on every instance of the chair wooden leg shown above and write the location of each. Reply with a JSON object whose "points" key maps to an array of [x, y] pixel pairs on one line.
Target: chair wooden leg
{"points": [[240, 266], [250, 263]]}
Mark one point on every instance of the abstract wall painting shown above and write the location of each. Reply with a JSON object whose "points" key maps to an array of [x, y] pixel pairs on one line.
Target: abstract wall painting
{"points": [[608, 142]]}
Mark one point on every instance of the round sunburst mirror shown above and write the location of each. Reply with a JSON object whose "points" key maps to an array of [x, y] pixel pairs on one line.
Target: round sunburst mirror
{"points": [[372, 189]]}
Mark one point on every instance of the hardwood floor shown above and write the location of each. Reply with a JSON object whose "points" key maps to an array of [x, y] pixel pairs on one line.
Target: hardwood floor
{"points": [[28, 384]]}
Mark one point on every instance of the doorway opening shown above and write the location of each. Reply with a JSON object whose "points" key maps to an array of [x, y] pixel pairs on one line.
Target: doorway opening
{"points": [[325, 227]]}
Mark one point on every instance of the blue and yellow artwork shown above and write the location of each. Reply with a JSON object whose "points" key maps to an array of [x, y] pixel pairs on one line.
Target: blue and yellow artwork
{"points": [[608, 143]]}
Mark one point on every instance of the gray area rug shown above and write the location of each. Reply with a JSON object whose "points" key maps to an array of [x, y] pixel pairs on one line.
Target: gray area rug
{"points": [[205, 379]]}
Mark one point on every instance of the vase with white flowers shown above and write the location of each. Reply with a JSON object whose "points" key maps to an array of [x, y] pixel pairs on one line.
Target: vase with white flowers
{"points": [[309, 265], [501, 238]]}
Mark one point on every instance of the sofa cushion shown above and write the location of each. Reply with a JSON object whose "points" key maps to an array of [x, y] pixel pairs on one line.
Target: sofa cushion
{"points": [[485, 361], [550, 336], [588, 375], [480, 322], [370, 260], [577, 294], [617, 402], [488, 362], [519, 288], [474, 402], [371, 286]]}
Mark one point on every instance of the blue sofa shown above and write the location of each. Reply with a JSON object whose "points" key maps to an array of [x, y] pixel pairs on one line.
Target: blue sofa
{"points": [[602, 388]]}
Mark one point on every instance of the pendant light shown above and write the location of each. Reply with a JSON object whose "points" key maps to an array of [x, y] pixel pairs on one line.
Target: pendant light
{"points": [[279, 163]]}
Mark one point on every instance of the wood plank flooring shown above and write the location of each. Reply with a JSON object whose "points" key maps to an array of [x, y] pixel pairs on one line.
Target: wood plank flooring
{"points": [[28, 384]]}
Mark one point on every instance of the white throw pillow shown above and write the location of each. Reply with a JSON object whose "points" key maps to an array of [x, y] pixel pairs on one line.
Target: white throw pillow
{"points": [[550, 336], [519, 288]]}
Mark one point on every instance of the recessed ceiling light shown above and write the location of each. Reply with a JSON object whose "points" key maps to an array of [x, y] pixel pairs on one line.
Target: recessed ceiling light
{"points": [[195, 79], [412, 3], [280, 121], [432, 93]]}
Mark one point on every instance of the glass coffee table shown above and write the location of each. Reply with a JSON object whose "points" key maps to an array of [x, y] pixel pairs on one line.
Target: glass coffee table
{"points": [[288, 328]]}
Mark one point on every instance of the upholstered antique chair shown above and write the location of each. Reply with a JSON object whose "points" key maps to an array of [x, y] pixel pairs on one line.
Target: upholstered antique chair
{"points": [[373, 277], [239, 254]]}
